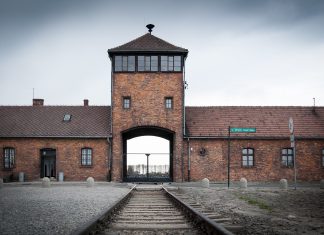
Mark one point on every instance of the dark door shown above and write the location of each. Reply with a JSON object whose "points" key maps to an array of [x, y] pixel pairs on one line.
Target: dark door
{"points": [[48, 163]]}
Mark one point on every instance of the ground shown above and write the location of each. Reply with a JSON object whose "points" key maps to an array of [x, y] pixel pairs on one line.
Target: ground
{"points": [[60, 209], [266, 210], [30, 209]]}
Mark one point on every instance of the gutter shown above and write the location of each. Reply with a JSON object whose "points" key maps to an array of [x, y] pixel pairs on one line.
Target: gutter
{"points": [[253, 137], [63, 137]]}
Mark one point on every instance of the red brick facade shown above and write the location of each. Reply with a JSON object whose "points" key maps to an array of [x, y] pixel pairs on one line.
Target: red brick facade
{"points": [[147, 92], [68, 157], [267, 160]]}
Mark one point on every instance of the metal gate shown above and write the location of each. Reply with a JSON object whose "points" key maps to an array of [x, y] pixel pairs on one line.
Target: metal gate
{"points": [[148, 167]]}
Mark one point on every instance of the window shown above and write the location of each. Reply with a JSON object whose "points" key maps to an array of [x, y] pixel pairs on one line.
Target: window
{"points": [[126, 102], [147, 63], [86, 157], [124, 63], [168, 102], [247, 157], [9, 158], [322, 157], [171, 63], [67, 117], [287, 157]]}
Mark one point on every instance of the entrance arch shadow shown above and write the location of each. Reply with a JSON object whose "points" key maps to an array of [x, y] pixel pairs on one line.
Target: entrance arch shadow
{"points": [[148, 131]]}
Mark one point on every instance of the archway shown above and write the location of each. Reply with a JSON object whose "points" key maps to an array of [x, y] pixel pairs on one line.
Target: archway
{"points": [[147, 155]]}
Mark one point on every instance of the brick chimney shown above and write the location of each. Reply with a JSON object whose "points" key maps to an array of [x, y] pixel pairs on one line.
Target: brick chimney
{"points": [[86, 102], [38, 102]]}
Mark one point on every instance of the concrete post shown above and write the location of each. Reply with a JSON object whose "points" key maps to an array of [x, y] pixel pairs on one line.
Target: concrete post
{"points": [[90, 182], [283, 184], [21, 177], [46, 183], [243, 183], [322, 184], [205, 183]]}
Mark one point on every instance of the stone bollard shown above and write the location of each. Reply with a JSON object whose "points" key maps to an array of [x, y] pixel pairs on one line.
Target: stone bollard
{"points": [[61, 176], [322, 184], [90, 182], [21, 177], [205, 183], [1, 182], [46, 183], [283, 184], [243, 183]]}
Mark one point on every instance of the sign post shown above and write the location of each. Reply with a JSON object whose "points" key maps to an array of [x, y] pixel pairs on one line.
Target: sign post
{"points": [[234, 130], [228, 156]]}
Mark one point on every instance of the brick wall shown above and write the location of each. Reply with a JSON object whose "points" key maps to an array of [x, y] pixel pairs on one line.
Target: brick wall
{"points": [[267, 159], [147, 92], [68, 157]]}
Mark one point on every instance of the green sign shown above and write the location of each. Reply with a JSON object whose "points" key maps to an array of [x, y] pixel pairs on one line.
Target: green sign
{"points": [[243, 129]]}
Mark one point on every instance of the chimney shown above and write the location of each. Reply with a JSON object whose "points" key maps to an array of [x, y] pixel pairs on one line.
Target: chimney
{"points": [[85, 102], [38, 102]]}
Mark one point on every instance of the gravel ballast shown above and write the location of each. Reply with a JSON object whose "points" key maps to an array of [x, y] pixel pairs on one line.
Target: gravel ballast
{"points": [[55, 210]]}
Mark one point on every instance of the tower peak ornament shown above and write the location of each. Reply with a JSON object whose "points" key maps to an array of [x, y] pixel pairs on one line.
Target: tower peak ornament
{"points": [[150, 27]]}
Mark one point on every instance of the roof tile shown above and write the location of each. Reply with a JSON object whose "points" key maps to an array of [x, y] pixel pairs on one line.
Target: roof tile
{"points": [[147, 43], [268, 121], [47, 121]]}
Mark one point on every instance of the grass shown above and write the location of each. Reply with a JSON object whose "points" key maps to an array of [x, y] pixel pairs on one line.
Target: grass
{"points": [[252, 201]]}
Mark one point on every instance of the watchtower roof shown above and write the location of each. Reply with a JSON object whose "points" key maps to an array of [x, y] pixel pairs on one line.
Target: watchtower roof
{"points": [[147, 43]]}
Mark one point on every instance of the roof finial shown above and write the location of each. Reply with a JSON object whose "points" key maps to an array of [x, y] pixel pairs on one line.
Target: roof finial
{"points": [[150, 27]]}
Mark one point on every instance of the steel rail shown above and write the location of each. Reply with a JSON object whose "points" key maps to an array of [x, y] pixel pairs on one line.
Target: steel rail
{"points": [[98, 220], [207, 225]]}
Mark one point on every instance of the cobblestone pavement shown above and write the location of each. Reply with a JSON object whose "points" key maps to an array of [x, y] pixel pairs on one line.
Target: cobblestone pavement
{"points": [[60, 209]]}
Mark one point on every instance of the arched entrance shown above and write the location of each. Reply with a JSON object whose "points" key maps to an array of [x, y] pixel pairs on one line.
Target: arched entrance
{"points": [[147, 154]]}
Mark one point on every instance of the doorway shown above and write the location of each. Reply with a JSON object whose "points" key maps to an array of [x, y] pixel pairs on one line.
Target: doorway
{"points": [[147, 155], [48, 163]]}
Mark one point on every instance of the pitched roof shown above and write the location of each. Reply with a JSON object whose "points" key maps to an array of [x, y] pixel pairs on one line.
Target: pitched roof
{"points": [[47, 121], [268, 121], [147, 43]]}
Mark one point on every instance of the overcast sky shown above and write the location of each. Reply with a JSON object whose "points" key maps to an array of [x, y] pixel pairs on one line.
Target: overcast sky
{"points": [[240, 52]]}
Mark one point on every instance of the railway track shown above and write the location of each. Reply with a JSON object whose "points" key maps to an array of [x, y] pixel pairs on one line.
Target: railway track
{"points": [[155, 210]]}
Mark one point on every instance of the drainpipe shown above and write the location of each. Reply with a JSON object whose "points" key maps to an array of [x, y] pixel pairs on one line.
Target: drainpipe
{"points": [[109, 158], [183, 101], [110, 163], [189, 164]]}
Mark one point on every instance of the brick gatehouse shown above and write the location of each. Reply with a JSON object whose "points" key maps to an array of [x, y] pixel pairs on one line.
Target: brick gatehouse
{"points": [[148, 99]]}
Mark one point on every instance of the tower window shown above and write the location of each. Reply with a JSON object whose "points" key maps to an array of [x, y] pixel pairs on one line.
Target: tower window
{"points": [[124, 63], [147, 63], [169, 102], [170, 63], [247, 157], [126, 102], [287, 157], [9, 158]]}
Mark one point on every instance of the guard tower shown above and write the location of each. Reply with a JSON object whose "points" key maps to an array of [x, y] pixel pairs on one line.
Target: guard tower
{"points": [[147, 98]]}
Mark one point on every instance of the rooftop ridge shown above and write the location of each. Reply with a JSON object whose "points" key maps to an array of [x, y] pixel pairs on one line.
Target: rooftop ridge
{"points": [[147, 42], [256, 106], [44, 106]]}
